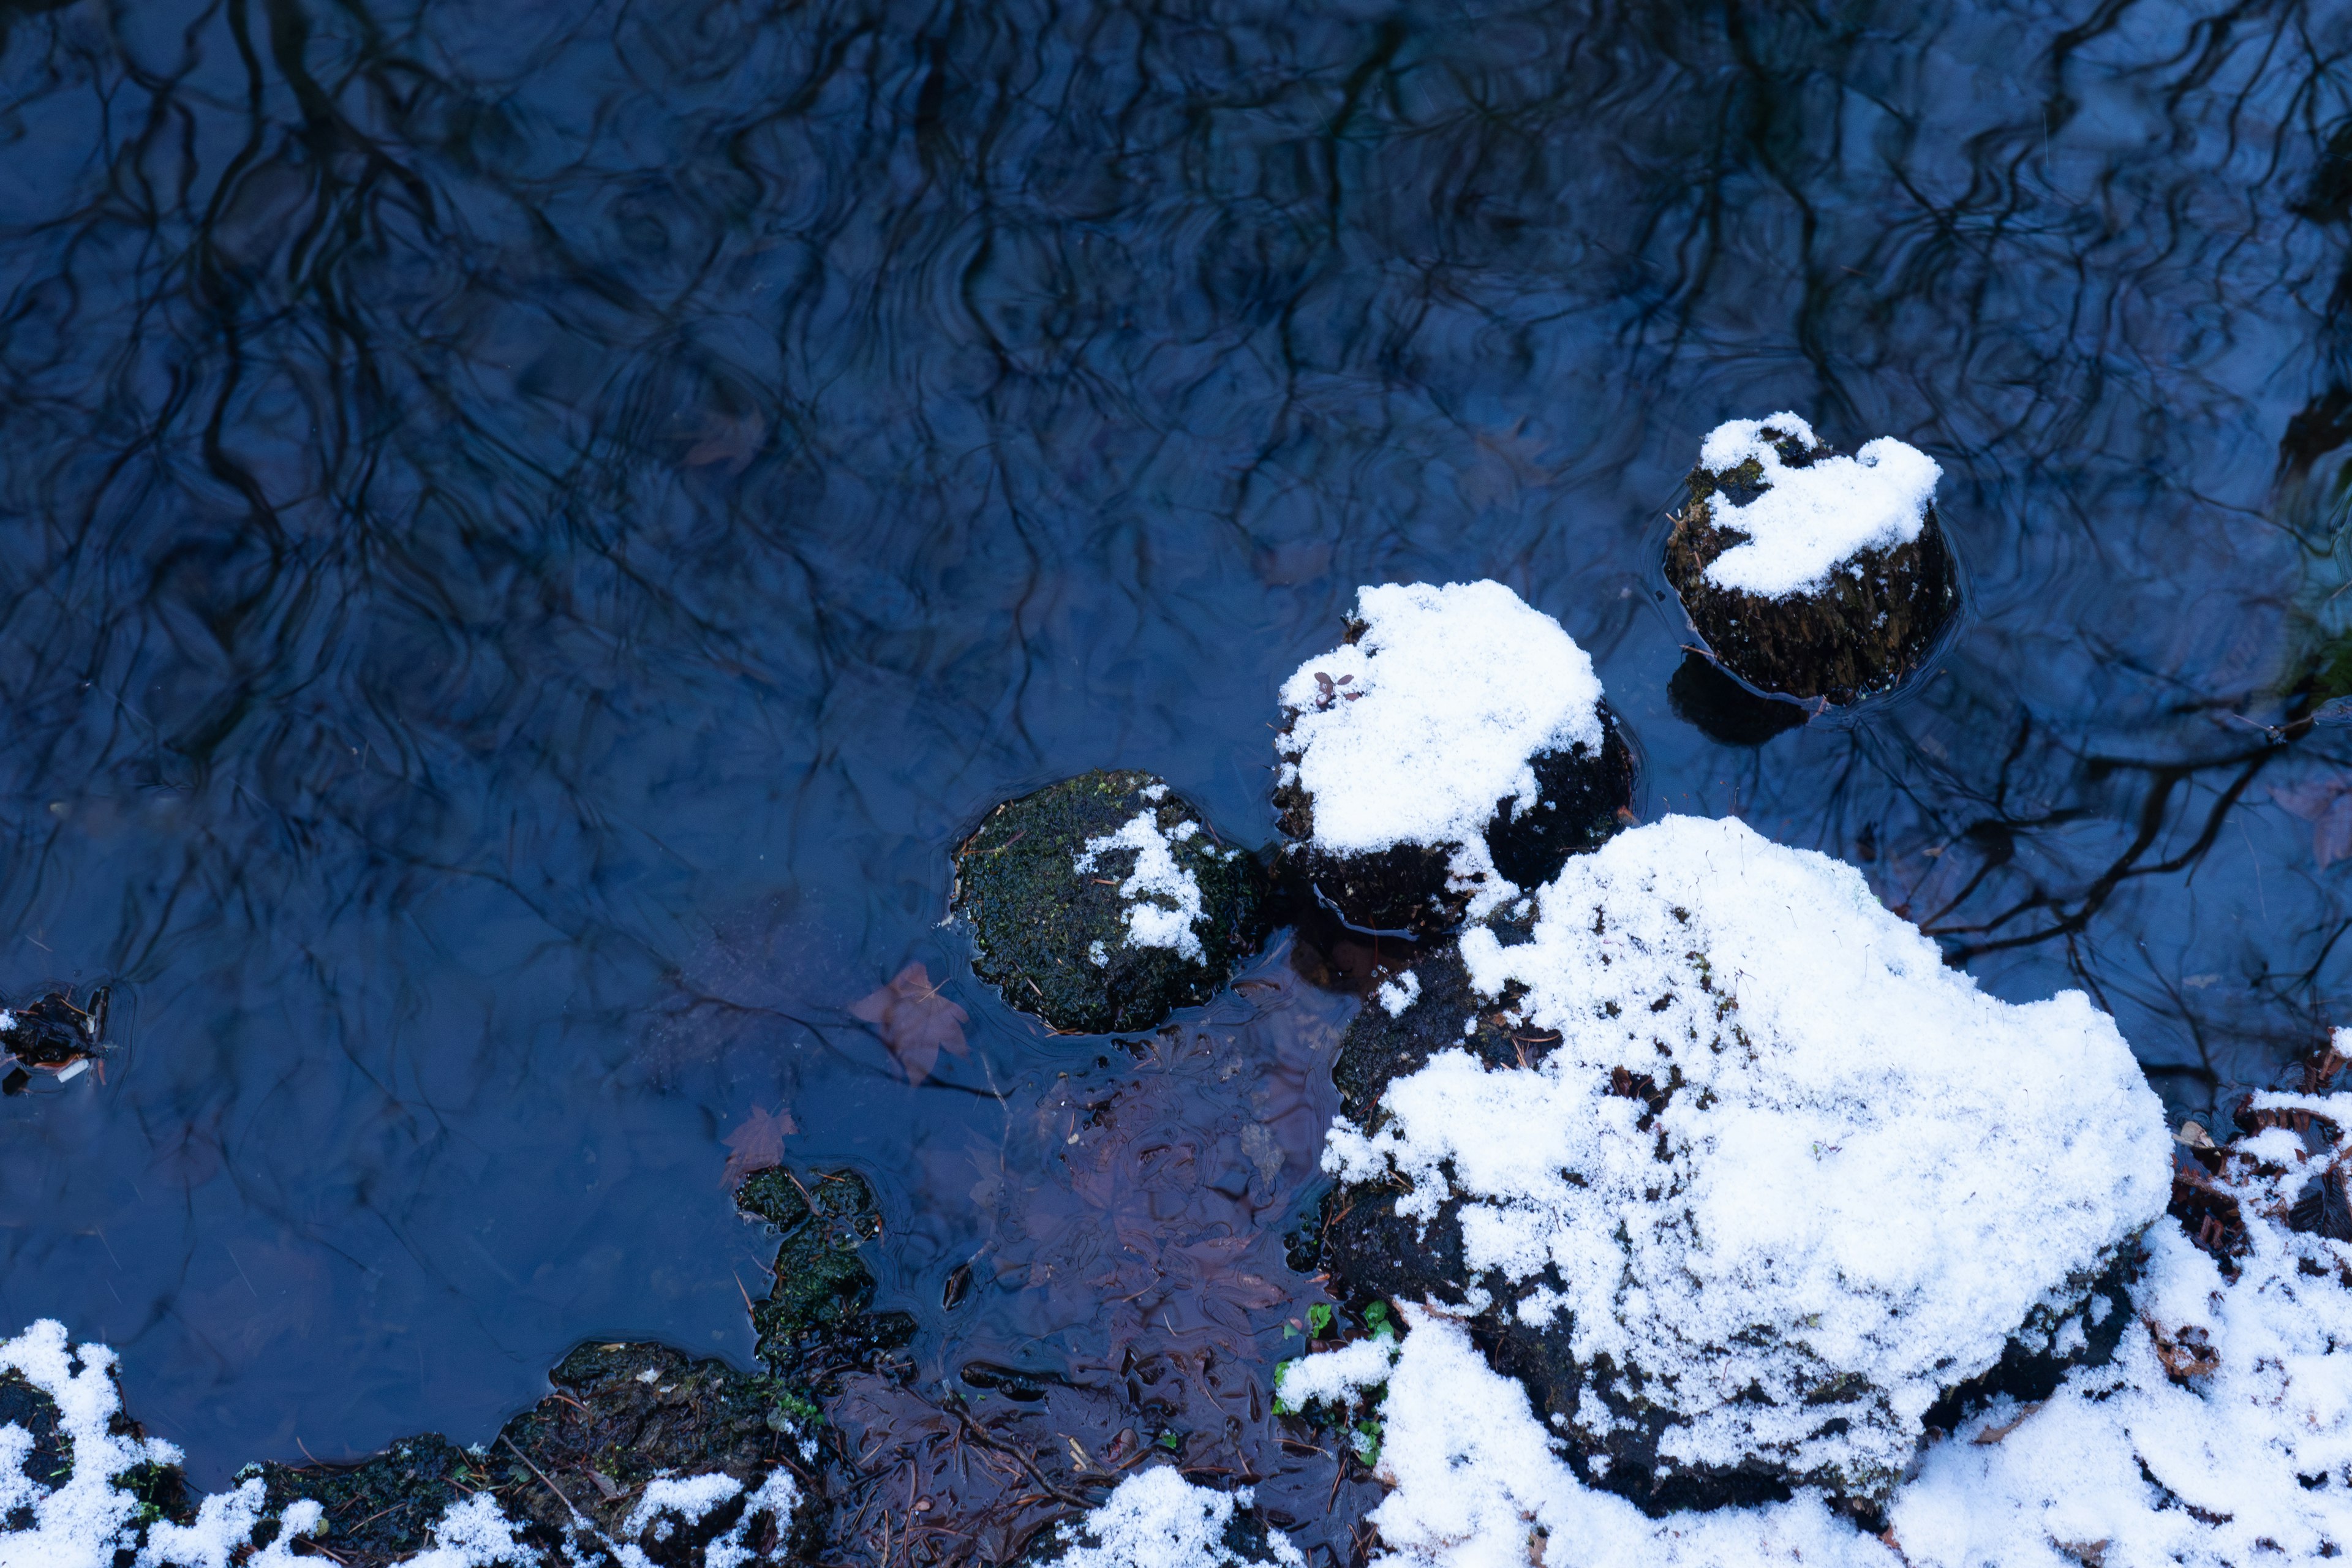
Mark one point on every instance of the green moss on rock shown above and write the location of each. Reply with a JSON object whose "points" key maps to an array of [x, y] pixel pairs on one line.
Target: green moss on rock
{"points": [[1870, 625], [380, 1510], [1056, 941], [817, 1316]]}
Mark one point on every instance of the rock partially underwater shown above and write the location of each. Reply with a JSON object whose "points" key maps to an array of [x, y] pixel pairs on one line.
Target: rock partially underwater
{"points": [[1722, 1164], [1808, 573], [637, 1448], [1104, 902], [1453, 750]]}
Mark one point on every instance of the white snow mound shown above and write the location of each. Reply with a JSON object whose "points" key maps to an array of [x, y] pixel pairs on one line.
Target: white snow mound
{"points": [[1157, 1518], [1417, 730], [1809, 520], [1865, 1165], [2236, 1454]]}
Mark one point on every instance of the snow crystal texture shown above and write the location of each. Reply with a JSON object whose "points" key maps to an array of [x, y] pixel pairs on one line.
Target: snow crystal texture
{"points": [[2239, 1455], [1158, 1520], [1416, 731], [1164, 897], [1864, 1165], [1811, 520]]}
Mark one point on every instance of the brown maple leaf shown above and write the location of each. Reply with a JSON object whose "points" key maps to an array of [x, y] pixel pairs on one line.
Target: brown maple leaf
{"points": [[914, 1020], [757, 1143]]}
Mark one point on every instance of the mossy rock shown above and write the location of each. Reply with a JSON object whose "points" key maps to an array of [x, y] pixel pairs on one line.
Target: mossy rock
{"points": [[1071, 945], [817, 1318], [1583, 798], [620, 1417], [1873, 624], [382, 1509], [623, 1415]]}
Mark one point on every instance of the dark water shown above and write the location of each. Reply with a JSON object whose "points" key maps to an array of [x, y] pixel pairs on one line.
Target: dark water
{"points": [[527, 533]]}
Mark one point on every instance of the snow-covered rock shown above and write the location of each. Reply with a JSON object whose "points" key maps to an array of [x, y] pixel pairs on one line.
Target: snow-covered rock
{"points": [[1808, 573], [1454, 746], [1772, 1183], [2218, 1435]]}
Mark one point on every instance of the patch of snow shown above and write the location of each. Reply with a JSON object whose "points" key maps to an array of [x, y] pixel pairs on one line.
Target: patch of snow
{"points": [[1163, 898], [687, 1497], [1335, 1377], [1865, 1165], [475, 1534], [79, 1522], [1158, 1520], [1416, 731], [1476, 1483], [1808, 521], [1398, 995], [2126, 1465], [2247, 1461], [776, 1499]]}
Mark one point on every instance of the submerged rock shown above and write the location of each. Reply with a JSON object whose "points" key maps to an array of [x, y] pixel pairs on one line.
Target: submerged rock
{"points": [[1809, 574], [818, 1318], [1454, 748], [1719, 1161], [1104, 902]]}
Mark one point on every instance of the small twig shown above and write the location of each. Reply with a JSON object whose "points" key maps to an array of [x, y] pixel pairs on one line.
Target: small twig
{"points": [[535, 1471]]}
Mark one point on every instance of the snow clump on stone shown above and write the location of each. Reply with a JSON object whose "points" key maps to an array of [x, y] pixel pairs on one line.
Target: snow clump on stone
{"points": [[1810, 520], [1163, 898], [1417, 730], [1847, 1178]]}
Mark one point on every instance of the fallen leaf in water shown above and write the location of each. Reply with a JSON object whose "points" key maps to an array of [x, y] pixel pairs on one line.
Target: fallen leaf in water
{"points": [[2326, 805], [757, 1143], [732, 441], [914, 1020]]}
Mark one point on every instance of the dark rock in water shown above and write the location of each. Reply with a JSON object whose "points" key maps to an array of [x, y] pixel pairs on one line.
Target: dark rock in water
{"points": [[1871, 623], [1103, 902], [1408, 755], [382, 1509], [54, 1031], [1408, 888], [818, 1318], [622, 1416]]}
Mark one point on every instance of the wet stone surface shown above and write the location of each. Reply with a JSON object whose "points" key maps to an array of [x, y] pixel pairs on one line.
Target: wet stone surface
{"points": [[1873, 624], [1103, 902]]}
